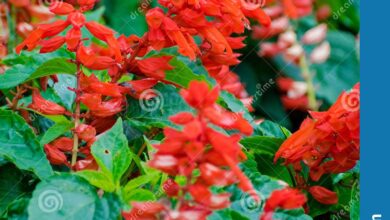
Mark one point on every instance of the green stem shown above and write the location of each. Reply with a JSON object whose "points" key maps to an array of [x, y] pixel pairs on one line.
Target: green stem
{"points": [[311, 93]]}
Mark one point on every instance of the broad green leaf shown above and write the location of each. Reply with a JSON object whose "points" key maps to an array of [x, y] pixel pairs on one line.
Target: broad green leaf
{"points": [[68, 197], [108, 207], [98, 179], [139, 181], [271, 129], [156, 111], [30, 65], [13, 185], [112, 152], [56, 131], [262, 144], [61, 89], [19, 145], [235, 105], [355, 202], [17, 210], [269, 137], [139, 195], [54, 66]]}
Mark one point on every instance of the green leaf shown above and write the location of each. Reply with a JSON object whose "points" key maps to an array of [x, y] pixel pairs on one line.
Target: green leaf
{"points": [[112, 153], [139, 182], [30, 65], [139, 195], [54, 66], [17, 210], [262, 144], [355, 202], [156, 111], [61, 89], [108, 207], [235, 105], [19, 145], [269, 137], [98, 179], [13, 185], [69, 197], [271, 129], [56, 131]]}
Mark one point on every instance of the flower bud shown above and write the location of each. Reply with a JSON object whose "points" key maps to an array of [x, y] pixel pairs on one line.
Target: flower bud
{"points": [[321, 53], [293, 53], [323, 195], [315, 35]]}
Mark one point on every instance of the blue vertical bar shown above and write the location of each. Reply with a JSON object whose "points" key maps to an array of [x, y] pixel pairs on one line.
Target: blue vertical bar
{"points": [[375, 109]]}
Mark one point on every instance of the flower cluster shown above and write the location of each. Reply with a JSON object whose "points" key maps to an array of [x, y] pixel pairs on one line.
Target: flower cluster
{"points": [[198, 147], [183, 21], [186, 19], [27, 15], [328, 142]]}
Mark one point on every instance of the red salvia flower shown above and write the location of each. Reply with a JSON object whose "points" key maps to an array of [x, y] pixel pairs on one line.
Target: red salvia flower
{"points": [[323, 195], [64, 144], [155, 66], [196, 146], [44, 106], [329, 135], [100, 108], [286, 198]]}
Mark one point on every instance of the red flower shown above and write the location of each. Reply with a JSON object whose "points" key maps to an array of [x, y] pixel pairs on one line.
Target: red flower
{"points": [[203, 195], [43, 31], [105, 34], [55, 156], [136, 87], [92, 84], [89, 59], [44, 106], [155, 66], [286, 198], [73, 38], [64, 144], [324, 195], [199, 95], [144, 211], [100, 108], [85, 132], [329, 141], [61, 8], [164, 27], [52, 44], [203, 99]]}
